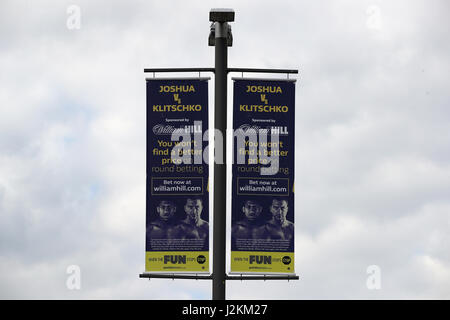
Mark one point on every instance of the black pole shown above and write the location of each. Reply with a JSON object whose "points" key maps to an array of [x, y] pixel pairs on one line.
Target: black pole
{"points": [[220, 180]]}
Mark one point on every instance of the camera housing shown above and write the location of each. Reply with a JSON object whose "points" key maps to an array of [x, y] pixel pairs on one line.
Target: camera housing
{"points": [[221, 15]]}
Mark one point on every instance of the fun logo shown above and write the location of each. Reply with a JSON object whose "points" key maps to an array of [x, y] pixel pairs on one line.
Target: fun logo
{"points": [[260, 259], [175, 259]]}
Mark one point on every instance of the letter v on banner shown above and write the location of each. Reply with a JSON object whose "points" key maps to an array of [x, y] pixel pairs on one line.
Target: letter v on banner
{"points": [[262, 235]]}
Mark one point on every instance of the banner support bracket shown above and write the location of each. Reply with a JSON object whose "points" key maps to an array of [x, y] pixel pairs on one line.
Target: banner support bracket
{"points": [[196, 276]]}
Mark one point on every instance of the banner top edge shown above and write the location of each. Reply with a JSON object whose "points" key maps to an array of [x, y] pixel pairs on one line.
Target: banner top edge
{"points": [[264, 79], [179, 78]]}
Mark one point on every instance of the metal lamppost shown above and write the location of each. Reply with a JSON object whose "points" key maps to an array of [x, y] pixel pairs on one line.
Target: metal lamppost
{"points": [[221, 32]]}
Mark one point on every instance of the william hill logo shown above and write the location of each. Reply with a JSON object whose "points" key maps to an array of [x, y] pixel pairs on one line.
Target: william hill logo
{"points": [[260, 259], [177, 259]]}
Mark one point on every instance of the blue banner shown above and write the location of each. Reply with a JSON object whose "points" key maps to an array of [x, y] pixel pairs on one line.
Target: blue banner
{"points": [[177, 207], [262, 235]]}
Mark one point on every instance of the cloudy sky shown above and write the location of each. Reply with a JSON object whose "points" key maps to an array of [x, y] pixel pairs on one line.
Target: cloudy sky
{"points": [[372, 142]]}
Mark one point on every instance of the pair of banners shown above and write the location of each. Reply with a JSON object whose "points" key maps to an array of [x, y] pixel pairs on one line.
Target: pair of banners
{"points": [[262, 204]]}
